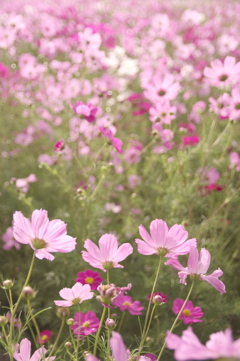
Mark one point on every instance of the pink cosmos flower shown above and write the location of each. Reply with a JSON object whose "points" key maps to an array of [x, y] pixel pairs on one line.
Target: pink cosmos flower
{"points": [[42, 235], [108, 254], [45, 335], [116, 142], [109, 292], [157, 297], [197, 266], [90, 278], [163, 111], [23, 352], [190, 140], [163, 241], [9, 240], [223, 74], [85, 324], [86, 111], [162, 87], [23, 183], [125, 303], [59, 145], [188, 347], [75, 295], [190, 314], [235, 161]]}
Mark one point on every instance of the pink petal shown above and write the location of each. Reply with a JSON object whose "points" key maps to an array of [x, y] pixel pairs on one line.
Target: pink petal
{"points": [[144, 248], [43, 253], [25, 349], [123, 252], [205, 259], [63, 303], [118, 347], [22, 230], [67, 294], [39, 223], [158, 231], [192, 263], [108, 245]]}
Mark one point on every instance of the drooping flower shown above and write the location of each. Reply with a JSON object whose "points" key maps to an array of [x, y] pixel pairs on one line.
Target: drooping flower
{"points": [[197, 266], [125, 303], [9, 240], [116, 142], [109, 292], [108, 254], [188, 347], [164, 241], [189, 314], [45, 335], [85, 324], [42, 235], [75, 295], [23, 352], [89, 277]]}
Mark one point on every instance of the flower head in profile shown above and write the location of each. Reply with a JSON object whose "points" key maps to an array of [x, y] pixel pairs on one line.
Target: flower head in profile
{"points": [[23, 183], [109, 292], [125, 303], [85, 324], [9, 240], [44, 336], [23, 352], [75, 295], [189, 314], [107, 255], [89, 277], [197, 266], [42, 235], [157, 298], [189, 348], [163, 241]]}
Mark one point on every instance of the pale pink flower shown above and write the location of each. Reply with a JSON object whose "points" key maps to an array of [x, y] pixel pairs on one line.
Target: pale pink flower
{"points": [[197, 266], [75, 295], [108, 254], [23, 352], [23, 183], [235, 161], [223, 73], [168, 242], [42, 235], [9, 240], [188, 347], [162, 87]]}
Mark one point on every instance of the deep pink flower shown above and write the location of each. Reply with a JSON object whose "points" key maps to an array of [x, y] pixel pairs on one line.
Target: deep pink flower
{"points": [[197, 266], [23, 352], [125, 303], [116, 142], [164, 241], [59, 145], [90, 278], [190, 314], [45, 335], [9, 240], [42, 235], [190, 140], [75, 295], [188, 347], [158, 296], [85, 324], [86, 111], [108, 254]]}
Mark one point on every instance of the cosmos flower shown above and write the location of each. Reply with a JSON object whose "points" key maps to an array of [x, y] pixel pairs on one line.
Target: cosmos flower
{"points": [[85, 324], [189, 314], [23, 352], [45, 335], [75, 295], [89, 277], [125, 303]]}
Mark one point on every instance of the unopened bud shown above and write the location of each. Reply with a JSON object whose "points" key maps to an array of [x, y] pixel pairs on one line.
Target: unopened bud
{"points": [[3, 320], [70, 321], [7, 284], [68, 344], [62, 312], [110, 323], [28, 292], [158, 300]]}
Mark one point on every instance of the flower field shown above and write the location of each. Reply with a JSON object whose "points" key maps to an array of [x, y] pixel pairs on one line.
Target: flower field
{"points": [[120, 183]]}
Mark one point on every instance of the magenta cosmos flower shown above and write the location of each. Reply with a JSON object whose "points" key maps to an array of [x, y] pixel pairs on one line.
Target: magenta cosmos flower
{"points": [[75, 295], [125, 303], [189, 314], [23, 352], [188, 347], [42, 235], [163, 241], [197, 266], [108, 254], [89, 277], [85, 324], [44, 336]]}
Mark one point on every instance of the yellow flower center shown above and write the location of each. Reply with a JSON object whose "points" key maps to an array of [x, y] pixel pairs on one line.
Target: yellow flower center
{"points": [[86, 324], [89, 280], [44, 337], [126, 303], [187, 313]]}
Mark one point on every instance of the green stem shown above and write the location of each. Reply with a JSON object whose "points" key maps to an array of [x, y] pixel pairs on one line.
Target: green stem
{"points": [[176, 319], [99, 330], [121, 321], [33, 318], [58, 336], [149, 305], [149, 323], [97, 186]]}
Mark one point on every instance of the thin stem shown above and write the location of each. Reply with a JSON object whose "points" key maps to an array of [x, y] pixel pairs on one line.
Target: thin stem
{"points": [[121, 321], [150, 321], [176, 319], [97, 186], [33, 318], [99, 329], [58, 336], [149, 305]]}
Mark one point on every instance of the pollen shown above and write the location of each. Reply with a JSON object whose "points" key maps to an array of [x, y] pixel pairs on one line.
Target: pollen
{"points": [[187, 313], [89, 280]]}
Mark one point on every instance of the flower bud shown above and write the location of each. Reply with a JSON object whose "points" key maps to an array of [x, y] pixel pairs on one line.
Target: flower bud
{"points": [[68, 344], [110, 323], [7, 284], [3, 320], [70, 321], [28, 292], [62, 312]]}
